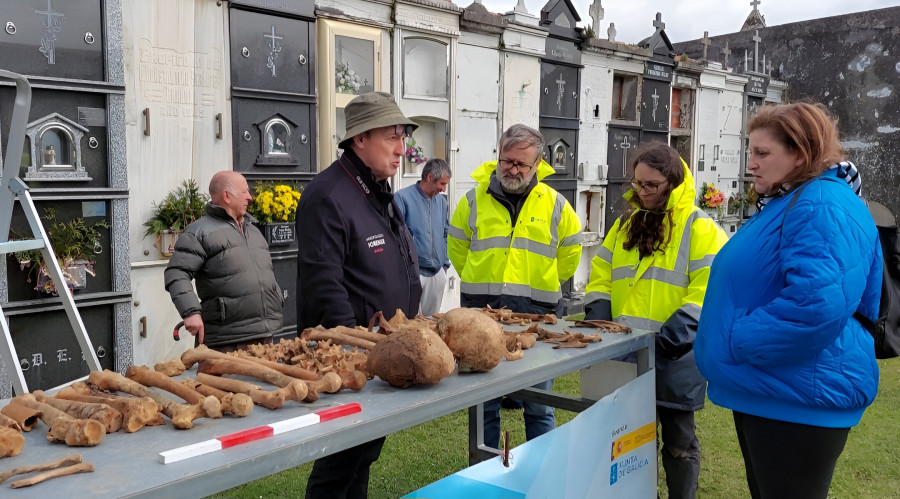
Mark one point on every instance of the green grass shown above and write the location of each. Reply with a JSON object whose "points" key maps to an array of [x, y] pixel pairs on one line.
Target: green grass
{"points": [[413, 458]]}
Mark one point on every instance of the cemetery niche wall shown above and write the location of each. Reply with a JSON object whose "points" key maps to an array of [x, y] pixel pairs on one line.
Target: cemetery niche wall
{"points": [[74, 164]]}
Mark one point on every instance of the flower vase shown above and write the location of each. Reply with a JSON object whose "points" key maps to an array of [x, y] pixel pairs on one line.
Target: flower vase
{"points": [[280, 233], [166, 240]]}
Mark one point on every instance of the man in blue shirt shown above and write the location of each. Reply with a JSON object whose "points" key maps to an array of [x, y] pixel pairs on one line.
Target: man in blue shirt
{"points": [[425, 212]]}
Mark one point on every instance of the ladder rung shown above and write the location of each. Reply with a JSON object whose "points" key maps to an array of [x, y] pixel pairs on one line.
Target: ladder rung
{"points": [[14, 246]]}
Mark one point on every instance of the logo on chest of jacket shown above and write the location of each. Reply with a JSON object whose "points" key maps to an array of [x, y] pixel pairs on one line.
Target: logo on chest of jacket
{"points": [[375, 241], [538, 220]]}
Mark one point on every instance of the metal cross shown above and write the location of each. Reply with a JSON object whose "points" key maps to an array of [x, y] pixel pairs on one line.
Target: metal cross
{"points": [[756, 38], [273, 52], [625, 145], [561, 87], [754, 4], [50, 13], [658, 22], [705, 41], [655, 97]]}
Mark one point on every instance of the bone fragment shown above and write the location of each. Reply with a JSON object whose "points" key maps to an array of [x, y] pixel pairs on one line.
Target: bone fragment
{"points": [[31, 468], [71, 470], [171, 367], [8, 422], [336, 337], [25, 417], [292, 371], [182, 416], [267, 399], [353, 380], [65, 428], [292, 388], [137, 412], [239, 404], [11, 441], [106, 415], [143, 375]]}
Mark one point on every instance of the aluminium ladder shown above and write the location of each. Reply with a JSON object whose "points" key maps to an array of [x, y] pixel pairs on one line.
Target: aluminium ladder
{"points": [[12, 188]]}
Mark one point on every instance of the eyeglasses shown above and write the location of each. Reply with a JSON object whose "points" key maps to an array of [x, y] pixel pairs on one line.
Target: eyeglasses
{"points": [[521, 167], [649, 187]]}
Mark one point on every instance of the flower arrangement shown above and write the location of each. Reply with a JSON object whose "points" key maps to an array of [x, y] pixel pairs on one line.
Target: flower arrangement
{"points": [[346, 81], [414, 153], [274, 203], [710, 197], [72, 242]]}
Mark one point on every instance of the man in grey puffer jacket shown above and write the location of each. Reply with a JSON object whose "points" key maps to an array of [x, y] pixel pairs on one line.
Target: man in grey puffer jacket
{"points": [[239, 301]]}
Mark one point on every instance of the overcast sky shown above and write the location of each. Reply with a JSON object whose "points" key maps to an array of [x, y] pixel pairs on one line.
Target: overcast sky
{"points": [[688, 19]]}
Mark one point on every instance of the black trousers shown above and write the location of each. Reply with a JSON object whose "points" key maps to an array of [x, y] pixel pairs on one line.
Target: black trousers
{"points": [[680, 451], [788, 460], [344, 474]]}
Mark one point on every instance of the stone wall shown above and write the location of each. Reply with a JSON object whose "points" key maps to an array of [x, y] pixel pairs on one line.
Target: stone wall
{"points": [[851, 63]]}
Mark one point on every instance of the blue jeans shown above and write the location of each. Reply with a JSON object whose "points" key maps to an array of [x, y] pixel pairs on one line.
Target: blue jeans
{"points": [[539, 419]]}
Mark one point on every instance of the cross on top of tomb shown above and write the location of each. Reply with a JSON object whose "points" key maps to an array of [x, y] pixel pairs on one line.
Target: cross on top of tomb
{"points": [[756, 39], [755, 4], [596, 13], [658, 23], [705, 41], [726, 52]]}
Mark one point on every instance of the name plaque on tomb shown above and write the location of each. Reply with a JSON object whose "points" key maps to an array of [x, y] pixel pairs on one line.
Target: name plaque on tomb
{"points": [[657, 71], [756, 85], [562, 51], [299, 7]]}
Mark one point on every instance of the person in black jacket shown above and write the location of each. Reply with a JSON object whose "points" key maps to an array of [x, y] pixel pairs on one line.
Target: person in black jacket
{"points": [[238, 302], [358, 256]]}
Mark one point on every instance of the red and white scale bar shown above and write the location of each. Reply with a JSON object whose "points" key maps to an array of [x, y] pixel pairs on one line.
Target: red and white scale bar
{"points": [[260, 432]]}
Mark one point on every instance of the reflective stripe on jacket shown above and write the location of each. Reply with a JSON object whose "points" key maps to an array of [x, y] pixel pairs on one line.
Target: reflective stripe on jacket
{"points": [[528, 260], [663, 292]]}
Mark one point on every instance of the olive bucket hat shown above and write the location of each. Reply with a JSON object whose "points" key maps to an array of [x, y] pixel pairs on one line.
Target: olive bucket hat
{"points": [[373, 110]]}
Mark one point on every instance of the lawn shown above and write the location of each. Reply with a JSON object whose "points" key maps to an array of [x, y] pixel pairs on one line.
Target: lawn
{"points": [[413, 458]]}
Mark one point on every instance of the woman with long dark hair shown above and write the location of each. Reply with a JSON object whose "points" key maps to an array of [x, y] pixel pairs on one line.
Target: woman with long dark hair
{"points": [[778, 340], [651, 273]]}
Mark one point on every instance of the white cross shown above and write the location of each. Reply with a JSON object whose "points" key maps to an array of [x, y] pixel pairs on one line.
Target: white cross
{"points": [[625, 145], [655, 97], [561, 87], [754, 4], [273, 53], [50, 13]]}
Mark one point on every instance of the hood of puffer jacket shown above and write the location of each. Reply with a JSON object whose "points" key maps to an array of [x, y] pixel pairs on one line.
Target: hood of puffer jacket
{"points": [[682, 197], [482, 174]]}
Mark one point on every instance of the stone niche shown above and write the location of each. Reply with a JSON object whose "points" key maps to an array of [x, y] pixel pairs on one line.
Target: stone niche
{"points": [[56, 149]]}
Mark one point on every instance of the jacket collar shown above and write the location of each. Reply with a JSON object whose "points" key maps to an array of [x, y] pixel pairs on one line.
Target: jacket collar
{"points": [[217, 211]]}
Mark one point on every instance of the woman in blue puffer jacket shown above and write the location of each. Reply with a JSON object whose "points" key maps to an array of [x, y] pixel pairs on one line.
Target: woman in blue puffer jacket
{"points": [[777, 340]]}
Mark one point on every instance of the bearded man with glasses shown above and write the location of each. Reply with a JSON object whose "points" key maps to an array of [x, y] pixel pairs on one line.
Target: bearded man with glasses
{"points": [[513, 240]]}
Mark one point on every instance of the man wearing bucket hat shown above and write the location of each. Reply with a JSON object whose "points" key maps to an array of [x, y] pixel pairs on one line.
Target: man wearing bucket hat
{"points": [[356, 256]]}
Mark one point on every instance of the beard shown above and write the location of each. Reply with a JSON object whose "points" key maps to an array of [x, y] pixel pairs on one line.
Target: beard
{"points": [[514, 184]]}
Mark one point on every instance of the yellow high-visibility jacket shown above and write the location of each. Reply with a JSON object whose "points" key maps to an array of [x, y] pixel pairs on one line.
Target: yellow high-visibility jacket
{"points": [[644, 293], [662, 292], [525, 260]]}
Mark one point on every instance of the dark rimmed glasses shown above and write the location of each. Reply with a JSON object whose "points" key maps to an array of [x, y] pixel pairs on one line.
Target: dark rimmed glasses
{"points": [[650, 187], [521, 167]]}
